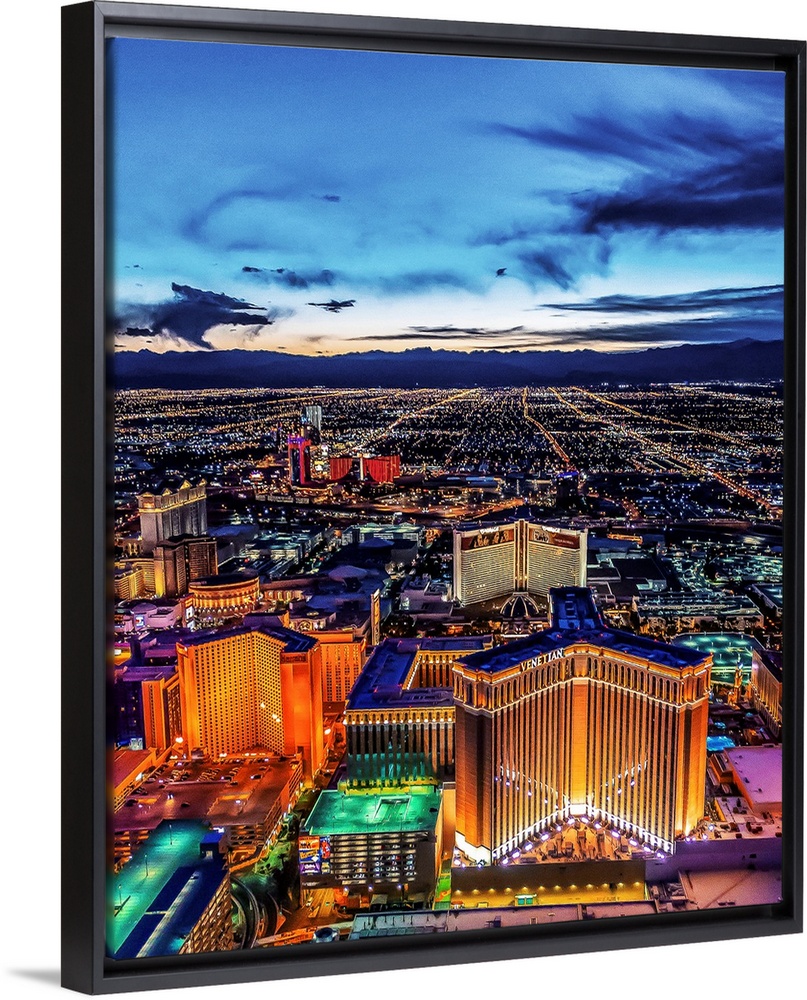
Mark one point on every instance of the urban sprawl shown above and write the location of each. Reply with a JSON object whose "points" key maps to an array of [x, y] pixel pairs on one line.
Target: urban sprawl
{"points": [[411, 661]]}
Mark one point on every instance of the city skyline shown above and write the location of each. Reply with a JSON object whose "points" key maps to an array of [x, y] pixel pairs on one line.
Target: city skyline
{"points": [[381, 654], [447, 493], [320, 202]]}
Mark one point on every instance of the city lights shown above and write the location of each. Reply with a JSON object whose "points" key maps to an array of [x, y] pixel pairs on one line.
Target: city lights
{"points": [[452, 583]]}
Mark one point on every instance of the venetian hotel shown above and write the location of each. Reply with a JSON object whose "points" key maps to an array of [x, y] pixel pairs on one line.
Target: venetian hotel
{"points": [[579, 721]]}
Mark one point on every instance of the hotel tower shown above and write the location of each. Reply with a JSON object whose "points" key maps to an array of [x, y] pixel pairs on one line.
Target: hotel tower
{"points": [[521, 557], [171, 514], [244, 688], [580, 720]]}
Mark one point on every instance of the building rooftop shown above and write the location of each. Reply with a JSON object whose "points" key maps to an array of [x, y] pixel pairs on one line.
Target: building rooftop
{"points": [[294, 642], [291, 583], [575, 620], [734, 887], [125, 762], [773, 592], [758, 771], [391, 812], [232, 791], [139, 605], [154, 672], [639, 568], [728, 649], [382, 680], [160, 894], [405, 923], [773, 662], [224, 579], [573, 608]]}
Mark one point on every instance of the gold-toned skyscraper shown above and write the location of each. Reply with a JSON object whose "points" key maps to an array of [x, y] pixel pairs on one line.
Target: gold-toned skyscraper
{"points": [[518, 556], [579, 721], [170, 514]]}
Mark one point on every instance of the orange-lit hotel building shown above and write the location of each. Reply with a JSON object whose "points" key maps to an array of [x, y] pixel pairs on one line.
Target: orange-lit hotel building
{"points": [[252, 687], [582, 721]]}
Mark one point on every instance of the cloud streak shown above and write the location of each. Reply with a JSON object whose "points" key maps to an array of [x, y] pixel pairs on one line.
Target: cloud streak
{"points": [[765, 298], [679, 174]]}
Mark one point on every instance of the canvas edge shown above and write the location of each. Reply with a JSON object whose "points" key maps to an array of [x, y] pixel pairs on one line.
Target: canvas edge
{"points": [[84, 508]]}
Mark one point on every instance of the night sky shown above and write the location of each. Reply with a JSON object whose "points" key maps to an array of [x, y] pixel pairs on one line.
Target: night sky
{"points": [[320, 202]]}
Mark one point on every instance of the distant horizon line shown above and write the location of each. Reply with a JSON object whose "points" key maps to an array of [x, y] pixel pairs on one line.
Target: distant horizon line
{"points": [[119, 350]]}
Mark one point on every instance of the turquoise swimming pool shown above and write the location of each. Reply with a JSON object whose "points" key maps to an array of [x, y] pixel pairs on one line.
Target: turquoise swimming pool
{"points": [[716, 743]]}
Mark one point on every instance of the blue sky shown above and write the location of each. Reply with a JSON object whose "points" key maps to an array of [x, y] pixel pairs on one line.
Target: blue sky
{"points": [[318, 201]]}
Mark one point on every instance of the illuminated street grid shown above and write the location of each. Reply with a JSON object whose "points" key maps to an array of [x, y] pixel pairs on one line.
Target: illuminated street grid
{"points": [[680, 459], [728, 437], [582, 296]]}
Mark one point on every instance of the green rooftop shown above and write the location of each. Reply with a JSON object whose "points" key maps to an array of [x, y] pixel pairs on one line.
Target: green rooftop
{"points": [[390, 812], [727, 649], [131, 894]]}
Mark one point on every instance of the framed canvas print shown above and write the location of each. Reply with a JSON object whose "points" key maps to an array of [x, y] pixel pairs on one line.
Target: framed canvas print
{"points": [[433, 551]]}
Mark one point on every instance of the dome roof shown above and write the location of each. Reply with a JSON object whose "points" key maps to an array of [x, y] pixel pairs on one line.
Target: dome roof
{"points": [[342, 573], [521, 606]]}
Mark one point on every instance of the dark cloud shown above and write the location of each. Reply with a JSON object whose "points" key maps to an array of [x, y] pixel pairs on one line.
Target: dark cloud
{"points": [[196, 224], [683, 173], [457, 331], [292, 279], [220, 222], [620, 335], [501, 237], [192, 312], [696, 205], [650, 139], [590, 136], [741, 190], [522, 337], [543, 265], [727, 314], [188, 295], [706, 330], [452, 333], [334, 305], [701, 331], [763, 298]]}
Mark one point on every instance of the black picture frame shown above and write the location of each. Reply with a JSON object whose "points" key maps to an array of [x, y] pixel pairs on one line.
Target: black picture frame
{"points": [[85, 508]]}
